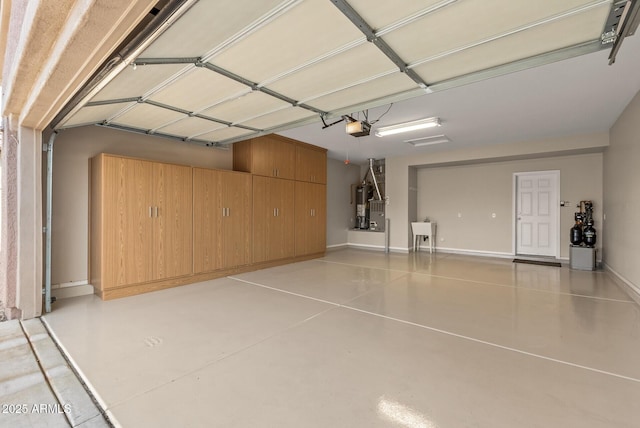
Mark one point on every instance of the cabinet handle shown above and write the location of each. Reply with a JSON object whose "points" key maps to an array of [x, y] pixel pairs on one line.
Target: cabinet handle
{"points": [[150, 212], [228, 212], [224, 213], [156, 209], [274, 212]]}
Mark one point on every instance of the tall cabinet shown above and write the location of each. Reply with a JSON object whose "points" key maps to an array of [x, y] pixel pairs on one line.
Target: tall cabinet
{"points": [[289, 196], [222, 219], [142, 228], [311, 218], [273, 219]]}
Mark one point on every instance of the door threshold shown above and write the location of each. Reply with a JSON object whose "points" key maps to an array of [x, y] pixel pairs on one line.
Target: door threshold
{"points": [[538, 260]]}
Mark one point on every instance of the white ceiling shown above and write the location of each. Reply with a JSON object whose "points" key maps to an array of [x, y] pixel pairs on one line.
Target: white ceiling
{"points": [[228, 70]]}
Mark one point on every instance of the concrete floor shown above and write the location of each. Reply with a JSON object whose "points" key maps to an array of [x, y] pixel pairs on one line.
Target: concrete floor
{"points": [[37, 386], [361, 338]]}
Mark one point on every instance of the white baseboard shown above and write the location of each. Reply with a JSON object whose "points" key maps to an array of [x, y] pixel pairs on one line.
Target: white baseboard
{"points": [[472, 252], [632, 289], [69, 284], [367, 246], [72, 291], [337, 246], [399, 249]]}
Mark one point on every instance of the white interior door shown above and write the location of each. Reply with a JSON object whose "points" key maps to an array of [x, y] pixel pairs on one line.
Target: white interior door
{"points": [[537, 220]]}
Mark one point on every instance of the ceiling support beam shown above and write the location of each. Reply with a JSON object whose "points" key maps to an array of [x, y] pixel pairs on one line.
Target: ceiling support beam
{"points": [[626, 26], [199, 116], [255, 87], [160, 134], [371, 36], [116, 101], [226, 73]]}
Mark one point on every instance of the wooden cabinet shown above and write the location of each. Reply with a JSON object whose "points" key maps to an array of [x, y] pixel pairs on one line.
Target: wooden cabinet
{"points": [[311, 218], [269, 156], [273, 219], [222, 219], [311, 164], [276, 233], [122, 229], [141, 221], [156, 225], [172, 220]]}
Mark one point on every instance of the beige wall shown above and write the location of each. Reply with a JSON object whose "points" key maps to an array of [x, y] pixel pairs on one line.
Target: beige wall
{"points": [[72, 150], [340, 210], [622, 196], [478, 191], [401, 192]]}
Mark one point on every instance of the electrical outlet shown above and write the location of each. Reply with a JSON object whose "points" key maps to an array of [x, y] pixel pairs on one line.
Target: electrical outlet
{"points": [[459, 215], [493, 215], [441, 239]]}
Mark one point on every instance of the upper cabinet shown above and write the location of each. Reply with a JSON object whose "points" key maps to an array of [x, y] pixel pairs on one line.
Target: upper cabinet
{"points": [[280, 157], [269, 156], [311, 164]]}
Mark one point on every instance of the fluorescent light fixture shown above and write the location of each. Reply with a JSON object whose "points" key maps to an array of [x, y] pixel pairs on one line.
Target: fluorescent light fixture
{"points": [[427, 141], [408, 126]]}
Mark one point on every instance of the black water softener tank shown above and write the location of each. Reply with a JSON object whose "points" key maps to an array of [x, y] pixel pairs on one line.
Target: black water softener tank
{"points": [[589, 234], [576, 234]]}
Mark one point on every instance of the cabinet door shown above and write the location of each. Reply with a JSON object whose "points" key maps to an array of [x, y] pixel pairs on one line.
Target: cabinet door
{"points": [[172, 222], [284, 159], [311, 165], [235, 190], [263, 214], [272, 157], [273, 219], [318, 203], [207, 220], [127, 238], [282, 242], [310, 223], [262, 157]]}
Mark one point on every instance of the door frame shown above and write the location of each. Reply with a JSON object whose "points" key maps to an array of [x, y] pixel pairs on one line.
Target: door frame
{"points": [[514, 209]]}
